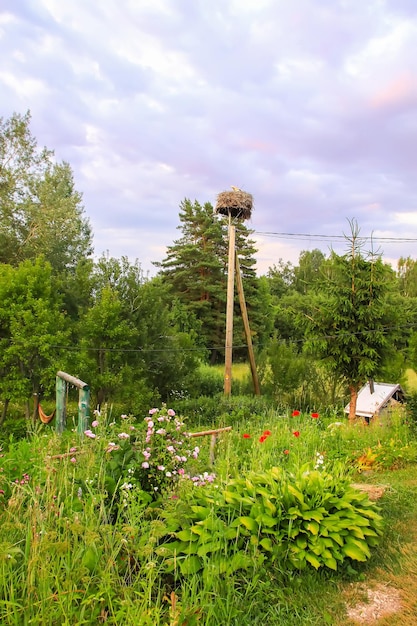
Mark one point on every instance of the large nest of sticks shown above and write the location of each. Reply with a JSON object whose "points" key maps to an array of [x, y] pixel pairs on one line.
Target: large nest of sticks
{"points": [[236, 203]]}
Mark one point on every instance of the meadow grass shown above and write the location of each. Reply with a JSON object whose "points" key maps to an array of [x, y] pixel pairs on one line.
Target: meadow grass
{"points": [[65, 559]]}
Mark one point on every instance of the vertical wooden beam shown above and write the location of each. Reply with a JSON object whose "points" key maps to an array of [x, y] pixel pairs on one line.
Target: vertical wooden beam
{"points": [[228, 356], [61, 387], [248, 336], [83, 409]]}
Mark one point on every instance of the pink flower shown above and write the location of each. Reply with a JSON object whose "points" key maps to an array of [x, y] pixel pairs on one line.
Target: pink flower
{"points": [[123, 436], [171, 413], [94, 424], [73, 460], [181, 471], [153, 411], [161, 468], [145, 465], [73, 449], [89, 433]]}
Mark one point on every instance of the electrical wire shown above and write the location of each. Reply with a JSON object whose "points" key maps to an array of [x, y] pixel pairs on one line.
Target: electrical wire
{"points": [[323, 237]]}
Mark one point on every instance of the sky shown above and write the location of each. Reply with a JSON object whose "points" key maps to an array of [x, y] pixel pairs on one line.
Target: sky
{"points": [[309, 105]]}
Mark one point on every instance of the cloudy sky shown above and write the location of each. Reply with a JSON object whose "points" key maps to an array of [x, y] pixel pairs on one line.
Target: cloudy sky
{"points": [[310, 105]]}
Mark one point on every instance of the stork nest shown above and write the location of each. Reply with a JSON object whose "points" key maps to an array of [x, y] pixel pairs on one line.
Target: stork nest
{"points": [[235, 203]]}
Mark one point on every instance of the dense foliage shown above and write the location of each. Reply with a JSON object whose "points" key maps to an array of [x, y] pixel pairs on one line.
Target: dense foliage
{"points": [[107, 527], [318, 328]]}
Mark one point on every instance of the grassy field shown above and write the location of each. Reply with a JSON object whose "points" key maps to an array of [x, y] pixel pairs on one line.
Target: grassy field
{"points": [[85, 537]]}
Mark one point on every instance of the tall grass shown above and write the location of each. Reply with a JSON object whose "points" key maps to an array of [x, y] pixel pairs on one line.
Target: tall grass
{"points": [[64, 559]]}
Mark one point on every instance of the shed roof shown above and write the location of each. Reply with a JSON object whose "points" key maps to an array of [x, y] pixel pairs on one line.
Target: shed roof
{"points": [[370, 403]]}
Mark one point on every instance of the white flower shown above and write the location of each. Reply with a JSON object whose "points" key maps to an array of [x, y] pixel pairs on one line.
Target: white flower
{"points": [[168, 474]]}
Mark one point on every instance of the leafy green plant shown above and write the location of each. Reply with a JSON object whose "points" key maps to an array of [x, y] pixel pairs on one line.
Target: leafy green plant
{"points": [[311, 518]]}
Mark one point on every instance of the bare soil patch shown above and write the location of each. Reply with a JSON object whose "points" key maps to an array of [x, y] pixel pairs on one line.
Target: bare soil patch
{"points": [[378, 603]]}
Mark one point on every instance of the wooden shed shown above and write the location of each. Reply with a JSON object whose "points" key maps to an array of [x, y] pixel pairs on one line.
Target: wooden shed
{"points": [[375, 399]]}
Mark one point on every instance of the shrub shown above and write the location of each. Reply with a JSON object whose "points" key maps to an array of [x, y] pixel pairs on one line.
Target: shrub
{"points": [[310, 518]]}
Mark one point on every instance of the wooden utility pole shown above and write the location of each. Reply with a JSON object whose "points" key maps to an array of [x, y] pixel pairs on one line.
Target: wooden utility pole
{"points": [[236, 204], [248, 335], [228, 356]]}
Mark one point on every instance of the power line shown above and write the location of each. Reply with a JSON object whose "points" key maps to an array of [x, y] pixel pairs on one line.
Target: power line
{"points": [[323, 237], [235, 347]]}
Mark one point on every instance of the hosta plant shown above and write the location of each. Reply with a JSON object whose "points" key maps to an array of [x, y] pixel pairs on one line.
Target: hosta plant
{"points": [[310, 518]]}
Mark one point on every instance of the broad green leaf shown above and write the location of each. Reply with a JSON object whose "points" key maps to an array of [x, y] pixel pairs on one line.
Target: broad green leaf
{"points": [[201, 512], [186, 535], [331, 563], [249, 523], [210, 547], [190, 565], [312, 527], [313, 560], [266, 543]]}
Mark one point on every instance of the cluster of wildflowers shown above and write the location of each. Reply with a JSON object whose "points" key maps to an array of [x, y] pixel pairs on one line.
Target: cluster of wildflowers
{"points": [[264, 436], [23, 481], [319, 461], [167, 450], [201, 480]]}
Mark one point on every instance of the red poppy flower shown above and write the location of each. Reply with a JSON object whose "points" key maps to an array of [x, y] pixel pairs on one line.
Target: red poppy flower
{"points": [[262, 439], [246, 436], [266, 433], [295, 413], [315, 415], [296, 433], [286, 451]]}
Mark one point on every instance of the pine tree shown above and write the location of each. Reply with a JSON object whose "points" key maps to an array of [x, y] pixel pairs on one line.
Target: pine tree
{"points": [[195, 268], [351, 324]]}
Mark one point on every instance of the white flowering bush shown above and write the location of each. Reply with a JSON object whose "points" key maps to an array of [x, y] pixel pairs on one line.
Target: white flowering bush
{"points": [[166, 452], [150, 457]]}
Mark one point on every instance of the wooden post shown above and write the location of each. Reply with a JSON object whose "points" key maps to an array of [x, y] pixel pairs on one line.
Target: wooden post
{"points": [[62, 379], [244, 312], [61, 416], [83, 409], [228, 356]]}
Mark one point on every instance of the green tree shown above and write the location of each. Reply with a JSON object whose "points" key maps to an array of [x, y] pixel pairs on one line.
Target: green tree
{"points": [[32, 326], [351, 324], [407, 276], [195, 269], [131, 345], [307, 274], [40, 210]]}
